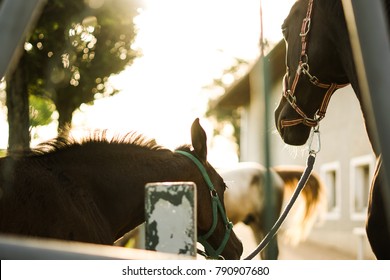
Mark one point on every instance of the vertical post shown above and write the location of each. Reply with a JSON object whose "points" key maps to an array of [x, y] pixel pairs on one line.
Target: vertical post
{"points": [[271, 252], [170, 210], [16, 17], [369, 33]]}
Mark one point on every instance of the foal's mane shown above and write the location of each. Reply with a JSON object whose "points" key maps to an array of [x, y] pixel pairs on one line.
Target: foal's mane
{"points": [[97, 138]]}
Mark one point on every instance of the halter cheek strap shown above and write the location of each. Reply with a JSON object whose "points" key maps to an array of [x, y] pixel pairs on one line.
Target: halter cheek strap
{"points": [[291, 99], [304, 69], [216, 206]]}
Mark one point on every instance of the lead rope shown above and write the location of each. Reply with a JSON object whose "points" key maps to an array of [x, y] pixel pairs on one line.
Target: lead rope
{"points": [[301, 184]]}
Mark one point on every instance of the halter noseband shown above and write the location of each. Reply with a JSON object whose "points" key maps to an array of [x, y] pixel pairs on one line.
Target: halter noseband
{"points": [[304, 68], [216, 206]]}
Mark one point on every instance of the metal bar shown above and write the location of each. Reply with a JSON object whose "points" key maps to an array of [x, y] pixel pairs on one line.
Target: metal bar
{"points": [[27, 248], [16, 18], [368, 28]]}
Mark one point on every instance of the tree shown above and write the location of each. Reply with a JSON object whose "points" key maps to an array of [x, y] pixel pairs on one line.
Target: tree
{"points": [[68, 58], [225, 115]]}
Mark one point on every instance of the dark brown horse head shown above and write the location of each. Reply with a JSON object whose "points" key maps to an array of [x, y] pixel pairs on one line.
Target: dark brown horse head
{"points": [[316, 37], [214, 229]]}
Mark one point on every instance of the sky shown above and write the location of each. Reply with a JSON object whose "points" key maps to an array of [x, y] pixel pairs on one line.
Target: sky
{"points": [[185, 45]]}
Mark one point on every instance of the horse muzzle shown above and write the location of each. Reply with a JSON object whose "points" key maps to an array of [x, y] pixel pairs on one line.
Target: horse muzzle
{"points": [[235, 248], [295, 135]]}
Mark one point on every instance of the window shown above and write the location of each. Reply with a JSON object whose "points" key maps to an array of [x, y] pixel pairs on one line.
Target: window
{"points": [[330, 174], [362, 169]]}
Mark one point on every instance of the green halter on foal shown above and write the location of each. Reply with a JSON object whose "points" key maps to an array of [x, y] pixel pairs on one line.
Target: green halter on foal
{"points": [[216, 205]]}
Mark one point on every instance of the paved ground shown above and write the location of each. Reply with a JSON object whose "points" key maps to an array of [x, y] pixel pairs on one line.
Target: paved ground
{"points": [[303, 251], [311, 251]]}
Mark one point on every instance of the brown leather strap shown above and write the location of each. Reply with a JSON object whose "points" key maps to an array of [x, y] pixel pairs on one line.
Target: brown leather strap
{"points": [[304, 69]]}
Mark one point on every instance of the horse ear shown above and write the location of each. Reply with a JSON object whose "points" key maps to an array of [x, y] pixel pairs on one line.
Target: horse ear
{"points": [[199, 139]]}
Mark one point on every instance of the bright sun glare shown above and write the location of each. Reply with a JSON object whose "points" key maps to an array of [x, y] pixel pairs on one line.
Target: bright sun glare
{"points": [[185, 45]]}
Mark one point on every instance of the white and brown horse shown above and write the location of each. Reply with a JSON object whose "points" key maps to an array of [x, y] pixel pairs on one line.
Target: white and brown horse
{"points": [[245, 201]]}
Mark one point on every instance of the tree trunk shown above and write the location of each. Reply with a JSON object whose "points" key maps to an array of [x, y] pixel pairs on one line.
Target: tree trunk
{"points": [[65, 115], [18, 112]]}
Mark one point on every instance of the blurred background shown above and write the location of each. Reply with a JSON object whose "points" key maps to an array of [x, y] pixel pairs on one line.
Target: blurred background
{"points": [[173, 57], [154, 66]]}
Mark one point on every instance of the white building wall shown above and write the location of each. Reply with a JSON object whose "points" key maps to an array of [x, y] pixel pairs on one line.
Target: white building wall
{"points": [[253, 131]]}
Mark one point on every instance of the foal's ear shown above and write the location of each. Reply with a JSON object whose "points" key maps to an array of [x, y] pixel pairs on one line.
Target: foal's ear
{"points": [[199, 139]]}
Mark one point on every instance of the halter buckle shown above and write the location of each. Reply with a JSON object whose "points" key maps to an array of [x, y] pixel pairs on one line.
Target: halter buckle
{"points": [[213, 193], [305, 27], [313, 79], [305, 60], [292, 99], [304, 67]]}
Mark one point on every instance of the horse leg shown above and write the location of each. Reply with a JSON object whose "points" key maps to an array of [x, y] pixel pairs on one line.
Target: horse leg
{"points": [[260, 229], [271, 251], [267, 220], [378, 227]]}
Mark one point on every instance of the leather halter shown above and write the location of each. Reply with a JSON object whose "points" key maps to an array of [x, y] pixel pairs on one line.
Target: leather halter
{"points": [[304, 69], [216, 206]]}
